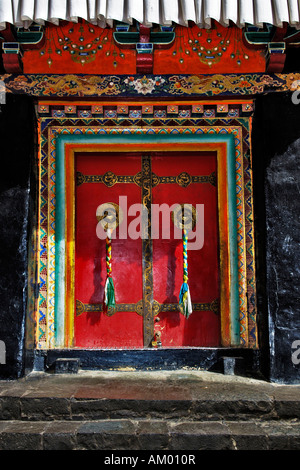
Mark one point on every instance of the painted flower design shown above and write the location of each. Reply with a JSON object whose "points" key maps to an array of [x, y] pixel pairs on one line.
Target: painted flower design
{"points": [[244, 84], [159, 81], [129, 81], [145, 84]]}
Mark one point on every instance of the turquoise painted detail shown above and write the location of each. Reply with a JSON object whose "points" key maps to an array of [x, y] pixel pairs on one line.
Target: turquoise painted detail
{"points": [[232, 215], [60, 243]]}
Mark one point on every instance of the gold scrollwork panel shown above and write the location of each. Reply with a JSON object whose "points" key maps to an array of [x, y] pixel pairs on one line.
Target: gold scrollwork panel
{"points": [[139, 307]]}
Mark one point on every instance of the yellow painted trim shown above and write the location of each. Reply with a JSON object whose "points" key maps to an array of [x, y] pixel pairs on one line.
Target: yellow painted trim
{"points": [[39, 230], [70, 248]]}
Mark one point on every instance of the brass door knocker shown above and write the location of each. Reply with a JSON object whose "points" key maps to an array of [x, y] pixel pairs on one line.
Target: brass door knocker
{"points": [[184, 217], [110, 216]]}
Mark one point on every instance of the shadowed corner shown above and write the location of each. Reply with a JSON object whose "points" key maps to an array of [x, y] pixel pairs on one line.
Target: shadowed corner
{"points": [[2, 92], [2, 352]]}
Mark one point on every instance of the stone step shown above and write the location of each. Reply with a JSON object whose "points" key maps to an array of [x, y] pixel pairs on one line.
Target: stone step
{"points": [[232, 406], [159, 435], [137, 396], [74, 409]]}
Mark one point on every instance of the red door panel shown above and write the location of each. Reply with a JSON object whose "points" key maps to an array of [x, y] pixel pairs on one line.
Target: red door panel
{"points": [[96, 329], [202, 328]]}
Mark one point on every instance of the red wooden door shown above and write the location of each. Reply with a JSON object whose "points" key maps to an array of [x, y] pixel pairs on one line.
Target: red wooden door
{"points": [[151, 269]]}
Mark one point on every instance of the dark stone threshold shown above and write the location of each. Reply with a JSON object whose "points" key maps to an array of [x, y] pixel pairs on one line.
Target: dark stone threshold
{"points": [[209, 359]]}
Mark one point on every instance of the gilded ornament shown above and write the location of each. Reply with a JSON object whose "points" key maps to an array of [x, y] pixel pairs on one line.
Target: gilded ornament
{"points": [[109, 179]]}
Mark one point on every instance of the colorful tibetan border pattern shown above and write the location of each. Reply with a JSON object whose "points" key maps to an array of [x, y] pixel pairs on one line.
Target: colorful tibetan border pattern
{"points": [[54, 125], [80, 86]]}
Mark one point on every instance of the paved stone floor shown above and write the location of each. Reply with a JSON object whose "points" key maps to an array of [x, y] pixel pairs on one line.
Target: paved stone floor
{"points": [[179, 384]]}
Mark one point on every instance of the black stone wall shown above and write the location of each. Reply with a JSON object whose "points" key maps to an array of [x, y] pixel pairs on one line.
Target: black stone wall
{"points": [[276, 168], [16, 155]]}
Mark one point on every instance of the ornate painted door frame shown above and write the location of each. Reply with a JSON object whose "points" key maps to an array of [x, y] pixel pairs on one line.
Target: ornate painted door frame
{"points": [[66, 128]]}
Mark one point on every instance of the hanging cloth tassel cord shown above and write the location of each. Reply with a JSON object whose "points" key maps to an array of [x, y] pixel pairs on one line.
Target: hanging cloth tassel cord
{"points": [[185, 302], [109, 289]]}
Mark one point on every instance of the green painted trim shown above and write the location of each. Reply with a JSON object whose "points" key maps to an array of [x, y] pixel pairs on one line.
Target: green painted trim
{"points": [[234, 288], [63, 139], [60, 244]]}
